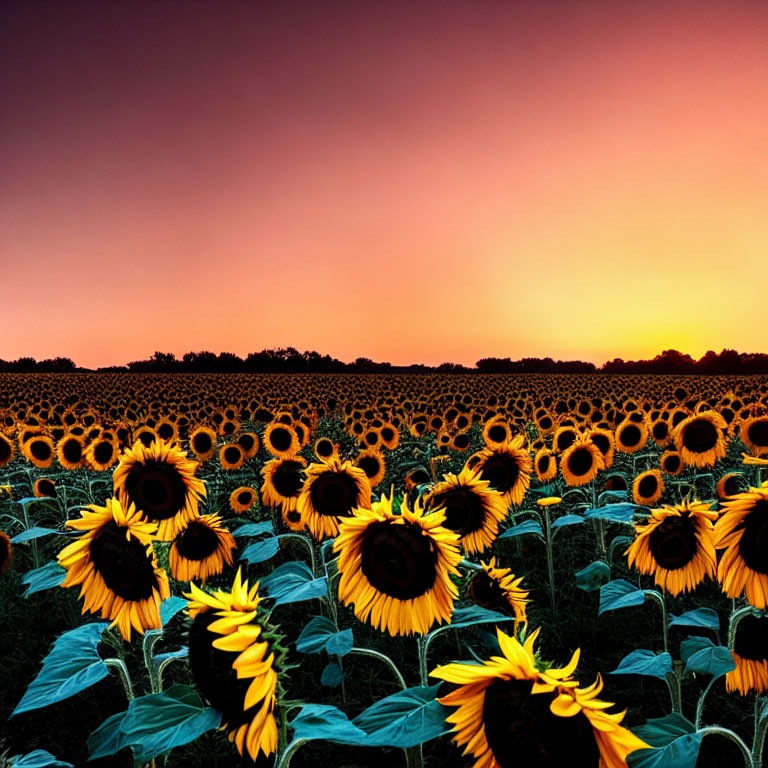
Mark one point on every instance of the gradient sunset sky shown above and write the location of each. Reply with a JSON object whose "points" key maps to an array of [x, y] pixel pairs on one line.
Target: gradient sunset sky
{"points": [[412, 181]]}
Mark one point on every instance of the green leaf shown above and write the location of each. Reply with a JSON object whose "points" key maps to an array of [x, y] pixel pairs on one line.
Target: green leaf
{"points": [[322, 721], [593, 576], [72, 666], [27, 500], [660, 731], [38, 758], [32, 533], [404, 719], [469, 615], [561, 522], [155, 724], [619, 594], [716, 661], [293, 582], [45, 577], [611, 494], [332, 675], [321, 634], [613, 513], [683, 752], [170, 607], [701, 617], [644, 662], [340, 644], [260, 551], [528, 526], [692, 645], [254, 529]]}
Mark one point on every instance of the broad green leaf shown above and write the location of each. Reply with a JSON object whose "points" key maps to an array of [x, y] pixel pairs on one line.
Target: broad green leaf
{"points": [[644, 662], [260, 551], [716, 661], [293, 582], [155, 724], [613, 513], [619, 594], [254, 529], [700, 617], [528, 526], [683, 752], [321, 634], [340, 643], [32, 533], [565, 520], [332, 675], [27, 500], [170, 607], [38, 758], [45, 577], [404, 719], [181, 653], [469, 615], [694, 644], [660, 731], [72, 666], [594, 576], [322, 721], [611, 494]]}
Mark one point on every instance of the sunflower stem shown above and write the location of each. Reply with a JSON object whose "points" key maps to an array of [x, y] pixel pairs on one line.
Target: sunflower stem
{"points": [[422, 644], [382, 657], [761, 726], [125, 678], [550, 561], [284, 759], [735, 738], [309, 546], [733, 622], [659, 598], [700, 703]]}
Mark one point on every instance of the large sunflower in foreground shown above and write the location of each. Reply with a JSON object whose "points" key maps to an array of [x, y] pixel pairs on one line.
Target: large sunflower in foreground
{"points": [[472, 509], [676, 545], [511, 714], [201, 550], [750, 654], [699, 439], [160, 481], [330, 492], [116, 566], [507, 467], [396, 568], [498, 590], [233, 658], [742, 531]]}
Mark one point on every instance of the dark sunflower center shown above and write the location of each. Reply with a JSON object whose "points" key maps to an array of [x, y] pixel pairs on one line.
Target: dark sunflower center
{"points": [[387, 434], [660, 430], [753, 544], [157, 489], [324, 448], [72, 451], [758, 433], [419, 477], [232, 454], [732, 485], [202, 443], [464, 510], [566, 440], [543, 463], [522, 732], [700, 436], [40, 450], [672, 464], [580, 462], [197, 541], [673, 543], [165, 431], [293, 515], [486, 592], [123, 563], [370, 465], [244, 498], [287, 478], [603, 443], [501, 471], [246, 441], [229, 427], [5, 551], [46, 487], [461, 441], [647, 486], [398, 560], [147, 438], [5, 449], [334, 494], [103, 452], [497, 433], [280, 438], [213, 673], [630, 436], [752, 638], [545, 423]]}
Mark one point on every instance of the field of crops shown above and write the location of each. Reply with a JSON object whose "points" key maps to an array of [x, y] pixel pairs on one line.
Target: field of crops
{"points": [[369, 570]]}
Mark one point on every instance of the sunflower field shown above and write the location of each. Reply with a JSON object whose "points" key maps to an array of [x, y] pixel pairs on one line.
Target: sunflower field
{"points": [[525, 571]]}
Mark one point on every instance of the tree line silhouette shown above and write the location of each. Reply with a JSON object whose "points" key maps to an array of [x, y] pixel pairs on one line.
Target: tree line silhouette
{"points": [[290, 360]]}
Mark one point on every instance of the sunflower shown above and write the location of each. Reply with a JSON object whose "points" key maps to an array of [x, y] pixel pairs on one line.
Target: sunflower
{"points": [[396, 568], [292, 517], [160, 480], [233, 658], [581, 462], [699, 439], [242, 499], [507, 468], [231, 456], [742, 531], [460, 441], [565, 436], [389, 436], [116, 566], [660, 432], [750, 653], [6, 553], [7, 449], [545, 465], [101, 454], [69, 451], [647, 488], [325, 448], [472, 508], [631, 436], [144, 435], [606, 444], [330, 492], [498, 590], [496, 432], [39, 450], [249, 442], [283, 480], [754, 434], [416, 478], [676, 545], [371, 461], [729, 485], [201, 550], [281, 439], [511, 713], [671, 463], [202, 442], [44, 487]]}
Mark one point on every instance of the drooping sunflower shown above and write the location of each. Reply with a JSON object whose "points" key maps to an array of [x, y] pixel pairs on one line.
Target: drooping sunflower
{"points": [[754, 434], [249, 442], [565, 436], [39, 450], [507, 468], [742, 531], [648, 487], [699, 439], [511, 714], [44, 487], [6, 552], [201, 550], [281, 440], [545, 465], [581, 462], [729, 485], [330, 492], [231, 456], [671, 463], [242, 499], [234, 660], [116, 566], [69, 451], [7, 449], [498, 590], [750, 653], [676, 545], [396, 568], [283, 480], [101, 454], [472, 509], [160, 481], [371, 461], [202, 442]]}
